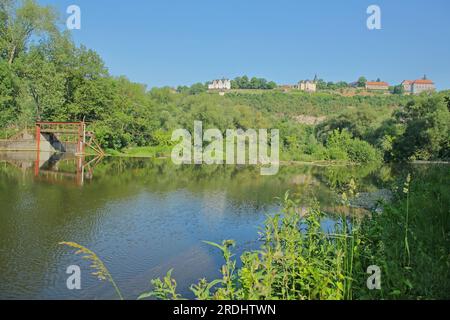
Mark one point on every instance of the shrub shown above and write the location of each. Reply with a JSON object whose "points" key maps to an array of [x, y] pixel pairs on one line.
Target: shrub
{"points": [[336, 153], [297, 260], [341, 146], [362, 152]]}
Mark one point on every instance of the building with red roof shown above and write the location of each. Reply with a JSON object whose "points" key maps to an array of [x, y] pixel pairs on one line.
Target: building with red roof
{"points": [[418, 86]]}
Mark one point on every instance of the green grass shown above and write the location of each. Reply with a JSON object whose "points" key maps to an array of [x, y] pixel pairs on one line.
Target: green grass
{"points": [[142, 152], [290, 265], [6, 133], [410, 241]]}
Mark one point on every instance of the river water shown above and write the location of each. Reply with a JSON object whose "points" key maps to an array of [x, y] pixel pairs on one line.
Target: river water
{"points": [[142, 217]]}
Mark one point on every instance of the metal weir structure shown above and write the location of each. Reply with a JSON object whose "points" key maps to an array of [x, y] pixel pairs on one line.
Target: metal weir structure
{"points": [[71, 137], [67, 138]]}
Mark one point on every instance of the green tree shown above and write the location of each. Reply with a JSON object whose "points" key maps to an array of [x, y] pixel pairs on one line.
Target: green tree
{"points": [[198, 88], [361, 83], [43, 83], [427, 130], [359, 123], [342, 146], [321, 84], [398, 89], [253, 83], [271, 85], [8, 94], [20, 22]]}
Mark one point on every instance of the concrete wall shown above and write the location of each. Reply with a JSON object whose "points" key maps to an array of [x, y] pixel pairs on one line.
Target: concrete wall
{"points": [[28, 143], [18, 145]]}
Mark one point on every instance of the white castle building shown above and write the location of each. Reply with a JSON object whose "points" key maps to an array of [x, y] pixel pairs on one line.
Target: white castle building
{"points": [[307, 85], [418, 86], [223, 84]]}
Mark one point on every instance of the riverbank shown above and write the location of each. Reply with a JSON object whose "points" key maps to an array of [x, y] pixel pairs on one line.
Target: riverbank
{"points": [[164, 152], [141, 152], [158, 152]]}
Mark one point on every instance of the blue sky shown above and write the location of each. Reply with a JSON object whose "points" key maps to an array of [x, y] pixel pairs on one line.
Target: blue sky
{"points": [[186, 41]]}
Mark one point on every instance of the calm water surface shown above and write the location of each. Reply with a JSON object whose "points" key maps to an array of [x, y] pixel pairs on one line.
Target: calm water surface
{"points": [[142, 217]]}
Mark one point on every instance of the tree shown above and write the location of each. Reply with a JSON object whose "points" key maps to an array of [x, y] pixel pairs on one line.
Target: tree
{"points": [[91, 101], [361, 83], [398, 89], [19, 24], [198, 88], [342, 84], [321, 84], [182, 89], [358, 123], [8, 94], [254, 83], [427, 130], [242, 83], [271, 85], [43, 82], [342, 146]]}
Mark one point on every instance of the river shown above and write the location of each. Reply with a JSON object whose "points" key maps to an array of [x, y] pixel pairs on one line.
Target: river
{"points": [[142, 217]]}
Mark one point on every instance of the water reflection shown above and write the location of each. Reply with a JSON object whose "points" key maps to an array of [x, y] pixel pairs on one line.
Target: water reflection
{"points": [[53, 167], [142, 217]]}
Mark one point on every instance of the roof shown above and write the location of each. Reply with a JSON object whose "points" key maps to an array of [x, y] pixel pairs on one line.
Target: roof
{"points": [[421, 81], [375, 83]]}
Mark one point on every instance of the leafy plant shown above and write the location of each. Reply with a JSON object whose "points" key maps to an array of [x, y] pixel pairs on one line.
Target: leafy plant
{"points": [[101, 272], [297, 260]]}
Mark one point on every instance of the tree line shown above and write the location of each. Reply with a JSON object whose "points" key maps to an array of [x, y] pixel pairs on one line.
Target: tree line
{"points": [[44, 75]]}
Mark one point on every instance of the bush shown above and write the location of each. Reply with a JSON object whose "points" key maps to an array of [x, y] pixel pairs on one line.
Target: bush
{"points": [[297, 261], [362, 152], [336, 153], [341, 146]]}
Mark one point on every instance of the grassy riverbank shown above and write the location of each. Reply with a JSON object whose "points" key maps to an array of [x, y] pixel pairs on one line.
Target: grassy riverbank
{"points": [[142, 152], [410, 241]]}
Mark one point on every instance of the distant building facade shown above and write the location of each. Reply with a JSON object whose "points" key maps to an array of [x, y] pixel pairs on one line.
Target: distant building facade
{"points": [[377, 85], [223, 84], [407, 85], [307, 86], [418, 86]]}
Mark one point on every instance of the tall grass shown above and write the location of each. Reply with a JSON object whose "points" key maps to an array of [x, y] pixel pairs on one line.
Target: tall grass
{"points": [[100, 270], [406, 191], [297, 260], [410, 240]]}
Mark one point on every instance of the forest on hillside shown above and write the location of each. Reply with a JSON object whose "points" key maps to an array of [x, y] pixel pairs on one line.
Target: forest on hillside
{"points": [[45, 76]]}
